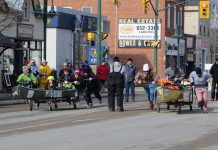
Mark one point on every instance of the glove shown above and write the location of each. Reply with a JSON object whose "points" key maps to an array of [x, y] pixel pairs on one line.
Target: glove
{"points": [[192, 84]]}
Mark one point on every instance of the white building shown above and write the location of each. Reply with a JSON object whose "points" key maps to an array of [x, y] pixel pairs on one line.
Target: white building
{"points": [[24, 30], [67, 36]]}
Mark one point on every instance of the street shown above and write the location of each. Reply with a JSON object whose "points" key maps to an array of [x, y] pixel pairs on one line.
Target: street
{"points": [[137, 128]]}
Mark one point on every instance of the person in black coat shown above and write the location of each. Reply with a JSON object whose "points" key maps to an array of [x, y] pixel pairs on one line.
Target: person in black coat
{"points": [[80, 87], [92, 86], [214, 73]]}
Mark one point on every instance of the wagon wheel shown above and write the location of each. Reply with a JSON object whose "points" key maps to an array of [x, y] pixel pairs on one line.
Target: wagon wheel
{"points": [[74, 105], [158, 107], [168, 106], [190, 107], [56, 106], [180, 109], [49, 107], [30, 105]]}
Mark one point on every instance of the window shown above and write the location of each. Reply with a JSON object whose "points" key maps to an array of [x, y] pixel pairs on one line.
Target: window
{"points": [[181, 15], [87, 9], [200, 29], [175, 18], [26, 10], [168, 17]]}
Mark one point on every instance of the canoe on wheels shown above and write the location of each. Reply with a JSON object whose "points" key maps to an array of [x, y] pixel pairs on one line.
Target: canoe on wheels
{"points": [[49, 96]]}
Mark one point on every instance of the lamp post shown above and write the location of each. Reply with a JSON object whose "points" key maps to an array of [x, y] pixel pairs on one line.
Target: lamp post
{"points": [[45, 16], [99, 32]]}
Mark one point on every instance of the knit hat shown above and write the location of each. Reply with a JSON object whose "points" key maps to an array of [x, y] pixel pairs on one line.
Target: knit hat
{"points": [[51, 78], [25, 69], [146, 67]]}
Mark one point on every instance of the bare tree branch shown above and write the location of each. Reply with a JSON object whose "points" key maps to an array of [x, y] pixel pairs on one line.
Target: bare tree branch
{"points": [[12, 14]]}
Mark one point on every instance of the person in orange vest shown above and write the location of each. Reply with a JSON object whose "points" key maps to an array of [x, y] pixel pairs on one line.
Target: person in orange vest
{"points": [[45, 72]]}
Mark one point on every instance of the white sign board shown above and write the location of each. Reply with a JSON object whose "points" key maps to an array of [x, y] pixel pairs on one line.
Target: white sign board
{"points": [[208, 66], [137, 31]]}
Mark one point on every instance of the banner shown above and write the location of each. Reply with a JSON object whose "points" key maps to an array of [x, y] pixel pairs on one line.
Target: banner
{"points": [[137, 33]]}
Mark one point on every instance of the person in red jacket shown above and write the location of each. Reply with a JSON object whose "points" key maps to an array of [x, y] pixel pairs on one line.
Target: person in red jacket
{"points": [[102, 72]]}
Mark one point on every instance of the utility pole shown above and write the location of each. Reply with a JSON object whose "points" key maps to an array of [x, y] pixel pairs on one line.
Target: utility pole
{"points": [[115, 42], [155, 36], [99, 32], [45, 26]]}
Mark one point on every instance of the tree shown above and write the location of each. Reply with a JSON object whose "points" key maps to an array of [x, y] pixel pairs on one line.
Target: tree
{"points": [[10, 13]]}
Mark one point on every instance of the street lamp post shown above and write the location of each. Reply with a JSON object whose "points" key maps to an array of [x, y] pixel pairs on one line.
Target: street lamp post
{"points": [[99, 32]]}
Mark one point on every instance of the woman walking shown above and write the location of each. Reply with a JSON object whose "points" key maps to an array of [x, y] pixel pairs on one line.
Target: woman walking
{"points": [[200, 81]]}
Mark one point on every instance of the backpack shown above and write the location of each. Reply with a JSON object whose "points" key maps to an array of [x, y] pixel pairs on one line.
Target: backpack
{"points": [[118, 76]]}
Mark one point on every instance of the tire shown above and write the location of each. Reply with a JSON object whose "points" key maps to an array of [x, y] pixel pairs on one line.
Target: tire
{"points": [[56, 106], [190, 107], [74, 105], [168, 107], [31, 105], [50, 108], [180, 110], [158, 107]]}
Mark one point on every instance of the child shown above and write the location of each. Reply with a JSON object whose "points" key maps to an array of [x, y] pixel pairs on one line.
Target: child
{"points": [[79, 86]]}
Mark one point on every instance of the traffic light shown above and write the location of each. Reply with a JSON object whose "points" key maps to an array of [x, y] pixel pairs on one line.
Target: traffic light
{"points": [[204, 9], [90, 36], [115, 2], [145, 6], [104, 36]]}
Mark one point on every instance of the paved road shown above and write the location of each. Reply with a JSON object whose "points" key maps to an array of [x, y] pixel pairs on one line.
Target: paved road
{"points": [[137, 128]]}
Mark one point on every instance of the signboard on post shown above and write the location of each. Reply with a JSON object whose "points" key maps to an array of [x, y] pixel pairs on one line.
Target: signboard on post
{"points": [[92, 55], [137, 33]]}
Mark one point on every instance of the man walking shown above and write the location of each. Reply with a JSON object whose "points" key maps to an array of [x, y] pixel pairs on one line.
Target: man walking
{"points": [[131, 72], [214, 73], [116, 85]]}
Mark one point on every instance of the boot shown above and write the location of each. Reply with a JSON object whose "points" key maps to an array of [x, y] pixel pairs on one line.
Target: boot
{"points": [[151, 105]]}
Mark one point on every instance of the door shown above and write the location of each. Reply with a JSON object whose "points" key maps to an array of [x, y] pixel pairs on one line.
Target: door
{"points": [[20, 58]]}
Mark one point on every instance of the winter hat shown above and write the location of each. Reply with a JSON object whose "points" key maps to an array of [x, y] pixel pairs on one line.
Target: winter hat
{"points": [[64, 64], [25, 69], [51, 78], [44, 61], [76, 72], [146, 67]]}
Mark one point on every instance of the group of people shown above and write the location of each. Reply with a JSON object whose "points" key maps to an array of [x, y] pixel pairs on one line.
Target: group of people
{"points": [[118, 78]]}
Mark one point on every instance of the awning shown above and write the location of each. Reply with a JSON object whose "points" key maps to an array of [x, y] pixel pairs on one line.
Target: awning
{"points": [[5, 42]]}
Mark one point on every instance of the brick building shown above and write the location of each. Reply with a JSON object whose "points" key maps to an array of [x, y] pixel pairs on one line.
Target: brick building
{"points": [[170, 20]]}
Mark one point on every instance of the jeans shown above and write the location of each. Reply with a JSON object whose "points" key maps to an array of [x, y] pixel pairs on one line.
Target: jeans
{"points": [[150, 92], [202, 97], [130, 85], [214, 87], [79, 92]]}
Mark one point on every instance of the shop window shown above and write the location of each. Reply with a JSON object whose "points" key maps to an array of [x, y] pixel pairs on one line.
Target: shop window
{"points": [[87, 9], [8, 61], [168, 17], [32, 45], [175, 18], [39, 45], [36, 55], [26, 9]]}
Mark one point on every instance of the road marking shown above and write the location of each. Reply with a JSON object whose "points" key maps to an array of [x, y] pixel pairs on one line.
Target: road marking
{"points": [[58, 122], [46, 124]]}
